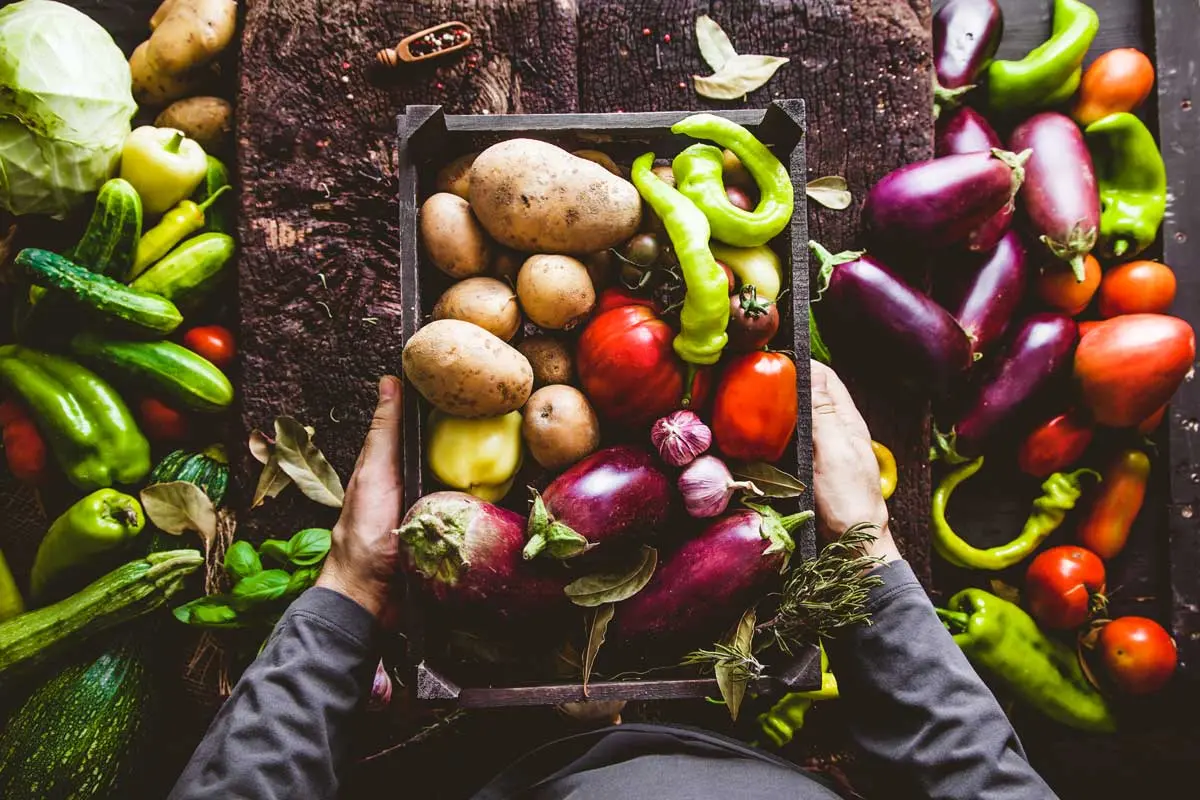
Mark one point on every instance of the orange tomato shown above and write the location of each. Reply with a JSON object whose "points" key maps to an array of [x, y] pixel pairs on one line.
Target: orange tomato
{"points": [[1139, 287], [1058, 288], [1119, 80], [1106, 524]]}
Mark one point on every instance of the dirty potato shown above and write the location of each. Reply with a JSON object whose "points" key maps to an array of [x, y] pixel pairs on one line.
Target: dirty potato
{"points": [[555, 291], [154, 89], [560, 426], [455, 177], [486, 302], [189, 34], [208, 120], [550, 359], [465, 371], [453, 237], [538, 198]]}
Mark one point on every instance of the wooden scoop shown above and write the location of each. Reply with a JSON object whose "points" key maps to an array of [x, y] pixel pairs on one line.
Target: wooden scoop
{"points": [[434, 42]]}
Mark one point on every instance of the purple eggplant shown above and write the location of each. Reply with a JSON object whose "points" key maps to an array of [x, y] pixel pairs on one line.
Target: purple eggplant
{"points": [[467, 554], [966, 131], [938, 203], [879, 319], [984, 303], [1059, 195], [607, 497], [966, 34], [706, 585], [1040, 350]]}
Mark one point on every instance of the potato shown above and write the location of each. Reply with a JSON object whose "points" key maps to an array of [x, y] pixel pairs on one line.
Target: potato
{"points": [[455, 177], [538, 198], [487, 302], [465, 371], [456, 243], [597, 157], [189, 34], [559, 426], [556, 291], [208, 120], [550, 359], [154, 89]]}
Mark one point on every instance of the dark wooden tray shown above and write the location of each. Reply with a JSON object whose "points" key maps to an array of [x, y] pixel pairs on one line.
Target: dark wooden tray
{"points": [[428, 138]]}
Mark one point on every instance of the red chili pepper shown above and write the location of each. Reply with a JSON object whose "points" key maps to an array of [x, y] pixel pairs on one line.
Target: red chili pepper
{"points": [[24, 447], [1055, 445], [1105, 528]]}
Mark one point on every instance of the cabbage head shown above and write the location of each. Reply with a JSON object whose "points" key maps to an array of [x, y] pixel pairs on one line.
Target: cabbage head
{"points": [[65, 107]]}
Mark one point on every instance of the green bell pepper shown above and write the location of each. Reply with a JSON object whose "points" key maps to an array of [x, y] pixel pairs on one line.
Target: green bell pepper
{"points": [[1133, 183], [1050, 74], [103, 521]]}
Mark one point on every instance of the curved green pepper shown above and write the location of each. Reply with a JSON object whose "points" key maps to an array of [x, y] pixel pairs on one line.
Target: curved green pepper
{"points": [[103, 521], [785, 719], [1133, 183], [698, 174], [1060, 493], [1044, 672], [1050, 74], [705, 313]]}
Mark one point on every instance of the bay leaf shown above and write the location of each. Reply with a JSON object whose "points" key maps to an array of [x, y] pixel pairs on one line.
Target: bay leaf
{"points": [[770, 480], [731, 681], [179, 506], [306, 465], [596, 632], [261, 446], [830, 191], [738, 76], [1005, 591], [271, 481], [613, 587], [715, 46]]}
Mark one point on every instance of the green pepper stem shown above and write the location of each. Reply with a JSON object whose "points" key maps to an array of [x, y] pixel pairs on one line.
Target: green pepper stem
{"points": [[1120, 246], [173, 145], [955, 618], [1079, 267], [689, 382], [212, 197]]}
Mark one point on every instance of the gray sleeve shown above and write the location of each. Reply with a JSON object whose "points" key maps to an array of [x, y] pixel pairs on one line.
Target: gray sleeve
{"points": [[917, 707], [284, 730]]}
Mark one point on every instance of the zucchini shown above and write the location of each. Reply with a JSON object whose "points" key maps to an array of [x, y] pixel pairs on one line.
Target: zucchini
{"points": [[79, 733], [100, 294], [208, 469], [165, 368], [188, 274], [29, 641], [110, 241], [218, 217]]}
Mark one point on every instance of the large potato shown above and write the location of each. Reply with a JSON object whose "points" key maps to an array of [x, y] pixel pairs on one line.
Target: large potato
{"points": [[486, 302], [465, 371], [208, 120], [456, 243], [189, 34], [154, 88], [535, 197]]}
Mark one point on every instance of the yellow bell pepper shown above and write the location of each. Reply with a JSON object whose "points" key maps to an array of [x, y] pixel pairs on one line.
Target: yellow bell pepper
{"points": [[480, 456]]}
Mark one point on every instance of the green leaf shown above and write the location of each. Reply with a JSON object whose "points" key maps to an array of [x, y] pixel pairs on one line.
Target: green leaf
{"points": [[302, 579], [241, 561], [613, 587], [830, 191], [309, 546], [771, 481], [305, 464], [214, 611], [715, 47], [275, 549], [731, 681], [261, 588], [816, 342], [596, 633]]}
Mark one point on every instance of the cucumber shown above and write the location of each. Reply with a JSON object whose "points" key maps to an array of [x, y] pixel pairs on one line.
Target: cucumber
{"points": [[188, 274], [218, 218], [101, 295], [208, 469], [110, 241], [163, 367]]}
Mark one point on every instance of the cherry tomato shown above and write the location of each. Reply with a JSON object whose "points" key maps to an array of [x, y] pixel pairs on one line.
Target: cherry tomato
{"points": [[1138, 654], [213, 342], [1058, 288], [1108, 519], [1055, 445], [161, 422], [642, 249], [754, 415], [1139, 287], [1059, 586], [739, 198], [24, 447], [729, 276], [1119, 80], [753, 321], [1150, 424]]}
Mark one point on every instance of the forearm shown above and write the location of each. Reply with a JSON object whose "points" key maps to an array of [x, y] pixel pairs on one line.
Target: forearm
{"points": [[283, 731], [917, 705]]}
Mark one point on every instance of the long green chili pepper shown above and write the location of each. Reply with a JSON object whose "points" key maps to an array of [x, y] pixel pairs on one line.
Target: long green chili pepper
{"points": [[1060, 493], [1043, 672], [705, 313], [1133, 183], [698, 172], [181, 221], [1050, 74]]}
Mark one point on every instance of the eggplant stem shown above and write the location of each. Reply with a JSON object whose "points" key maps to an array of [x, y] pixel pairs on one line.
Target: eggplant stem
{"points": [[793, 521]]}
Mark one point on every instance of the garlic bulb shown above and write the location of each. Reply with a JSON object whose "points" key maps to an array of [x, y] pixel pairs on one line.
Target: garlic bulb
{"points": [[707, 487], [680, 437]]}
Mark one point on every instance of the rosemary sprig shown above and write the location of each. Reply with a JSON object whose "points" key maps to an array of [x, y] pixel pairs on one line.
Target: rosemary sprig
{"points": [[742, 666]]}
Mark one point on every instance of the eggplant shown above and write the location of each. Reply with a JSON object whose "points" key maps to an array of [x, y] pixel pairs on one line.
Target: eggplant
{"points": [[966, 131], [467, 553], [881, 320], [1059, 195], [605, 498], [938, 203], [708, 583], [966, 34], [1040, 350], [985, 303]]}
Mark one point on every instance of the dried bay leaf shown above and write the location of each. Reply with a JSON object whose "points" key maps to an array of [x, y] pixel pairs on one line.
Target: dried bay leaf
{"points": [[261, 446], [738, 77], [731, 681], [715, 47], [305, 464], [179, 506], [770, 480], [830, 191], [596, 634], [613, 587]]}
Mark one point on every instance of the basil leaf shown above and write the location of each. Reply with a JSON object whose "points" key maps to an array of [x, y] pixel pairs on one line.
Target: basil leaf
{"points": [[309, 546], [302, 579], [241, 561], [208, 612], [274, 549], [260, 588]]}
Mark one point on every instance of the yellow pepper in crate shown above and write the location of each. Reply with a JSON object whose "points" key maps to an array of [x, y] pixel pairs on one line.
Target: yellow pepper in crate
{"points": [[480, 456]]}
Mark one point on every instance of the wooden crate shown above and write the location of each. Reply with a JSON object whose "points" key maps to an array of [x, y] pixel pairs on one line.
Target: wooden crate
{"points": [[429, 138]]}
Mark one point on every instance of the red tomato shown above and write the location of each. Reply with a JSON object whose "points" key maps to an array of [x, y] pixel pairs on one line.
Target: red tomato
{"points": [[1087, 326], [729, 276], [615, 297], [161, 422], [213, 342], [1150, 424], [629, 369], [755, 412], [1119, 80], [1139, 287], [1105, 526], [24, 447], [1138, 654], [1058, 288], [1130, 365], [1055, 445], [1059, 585]]}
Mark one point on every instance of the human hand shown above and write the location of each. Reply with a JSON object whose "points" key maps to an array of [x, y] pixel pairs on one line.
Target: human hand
{"points": [[363, 556], [845, 473]]}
